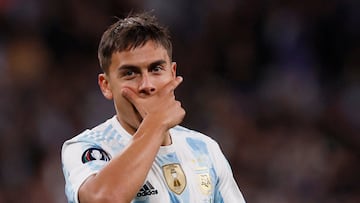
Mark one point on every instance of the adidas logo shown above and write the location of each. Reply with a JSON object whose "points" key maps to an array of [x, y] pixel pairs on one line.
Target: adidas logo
{"points": [[147, 189]]}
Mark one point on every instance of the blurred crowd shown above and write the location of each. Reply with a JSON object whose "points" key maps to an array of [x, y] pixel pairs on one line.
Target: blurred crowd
{"points": [[276, 83]]}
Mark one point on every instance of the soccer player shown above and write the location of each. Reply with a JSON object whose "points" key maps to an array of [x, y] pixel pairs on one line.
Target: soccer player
{"points": [[142, 154]]}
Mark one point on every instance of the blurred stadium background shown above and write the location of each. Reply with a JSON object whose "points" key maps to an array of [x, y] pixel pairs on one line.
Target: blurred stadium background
{"points": [[276, 83]]}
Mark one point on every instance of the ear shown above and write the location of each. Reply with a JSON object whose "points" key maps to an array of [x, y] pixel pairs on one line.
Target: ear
{"points": [[173, 69], [104, 84]]}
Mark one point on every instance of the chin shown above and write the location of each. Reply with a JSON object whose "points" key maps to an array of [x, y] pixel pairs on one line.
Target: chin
{"points": [[135, 123]]}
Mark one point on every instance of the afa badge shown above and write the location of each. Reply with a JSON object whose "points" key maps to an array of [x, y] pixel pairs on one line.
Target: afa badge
{"points": [[175, 177], [204, 180], [205, 183], [94, 154]]}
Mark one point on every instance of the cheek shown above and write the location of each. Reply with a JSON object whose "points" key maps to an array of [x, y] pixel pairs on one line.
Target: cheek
{"points": [[123, 108], [120, 101], [165, 79], [164, 82]]}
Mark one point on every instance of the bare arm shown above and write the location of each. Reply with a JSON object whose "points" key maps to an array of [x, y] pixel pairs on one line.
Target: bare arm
{"points": [[120, 180]]}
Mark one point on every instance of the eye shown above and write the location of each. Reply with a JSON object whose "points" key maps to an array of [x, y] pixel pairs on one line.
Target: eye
{"points": [[129, 73], [157, 68]]}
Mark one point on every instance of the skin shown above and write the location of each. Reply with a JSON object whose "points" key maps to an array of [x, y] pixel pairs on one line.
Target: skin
{"points": [[141, 82]]}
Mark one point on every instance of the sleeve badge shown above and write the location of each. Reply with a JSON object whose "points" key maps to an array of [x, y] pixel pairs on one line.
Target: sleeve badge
{"points": [[93, 154]]}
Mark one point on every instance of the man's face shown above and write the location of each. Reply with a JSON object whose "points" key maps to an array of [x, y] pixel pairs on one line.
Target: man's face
{"points": [[144, 70]]}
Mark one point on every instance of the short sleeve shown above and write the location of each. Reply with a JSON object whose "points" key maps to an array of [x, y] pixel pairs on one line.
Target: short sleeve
{"points": [[227, 190], [76, 170]]}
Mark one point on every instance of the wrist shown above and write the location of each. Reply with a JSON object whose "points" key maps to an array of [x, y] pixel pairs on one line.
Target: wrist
{"points": [[151, 126]]}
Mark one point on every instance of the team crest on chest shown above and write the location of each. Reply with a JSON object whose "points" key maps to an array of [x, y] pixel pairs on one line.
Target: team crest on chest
{"points": [[204, 180], [205, 183], [175, 177]]}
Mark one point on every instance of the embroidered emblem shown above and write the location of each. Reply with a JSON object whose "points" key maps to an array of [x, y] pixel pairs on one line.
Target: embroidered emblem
{"points": [[205, 183], [175, 177], [204, 180], [94, 154]]}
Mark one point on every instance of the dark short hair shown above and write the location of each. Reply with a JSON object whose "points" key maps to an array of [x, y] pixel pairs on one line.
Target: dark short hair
{"points": [[129, 33]]}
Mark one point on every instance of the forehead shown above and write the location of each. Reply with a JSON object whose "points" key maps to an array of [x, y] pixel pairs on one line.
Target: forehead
{"points": [[140, 56]]}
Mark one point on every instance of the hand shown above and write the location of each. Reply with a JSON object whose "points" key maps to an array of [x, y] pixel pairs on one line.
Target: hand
{"points": [[161, 106]]}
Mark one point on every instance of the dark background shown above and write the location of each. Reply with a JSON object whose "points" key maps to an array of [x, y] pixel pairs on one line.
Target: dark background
{"points": [[276, 83]]}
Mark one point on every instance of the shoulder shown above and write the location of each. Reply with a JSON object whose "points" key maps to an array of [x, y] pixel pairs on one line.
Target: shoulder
{"points": [[108, 136], [102, 140], [93, 134], [107, 131], [191, 136]]}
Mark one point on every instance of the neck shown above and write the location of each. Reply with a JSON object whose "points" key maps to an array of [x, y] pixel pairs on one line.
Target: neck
{"points": [[167, 139], [131, 130]]}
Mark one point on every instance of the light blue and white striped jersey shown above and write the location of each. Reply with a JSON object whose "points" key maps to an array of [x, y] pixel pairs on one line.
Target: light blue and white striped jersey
{"points": [[190, 170]]}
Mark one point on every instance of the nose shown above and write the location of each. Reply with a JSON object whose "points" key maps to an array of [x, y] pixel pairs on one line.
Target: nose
{"points": [[146, 86]]}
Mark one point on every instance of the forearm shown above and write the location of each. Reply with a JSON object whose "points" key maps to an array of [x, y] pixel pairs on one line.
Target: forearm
{"points": [[121, 179]]}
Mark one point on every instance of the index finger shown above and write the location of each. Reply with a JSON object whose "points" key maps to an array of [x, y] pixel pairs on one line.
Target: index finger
{"points": [[173, 84]]}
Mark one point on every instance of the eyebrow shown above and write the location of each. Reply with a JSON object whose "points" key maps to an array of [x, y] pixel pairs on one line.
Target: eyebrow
{"points": [[158, 62], [134, 67]]}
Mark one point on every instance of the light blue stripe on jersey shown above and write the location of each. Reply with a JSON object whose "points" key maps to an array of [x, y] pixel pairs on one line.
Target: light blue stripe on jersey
{"points": [[198, 146], [174, 199], [200, 150], [218, 196]]}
